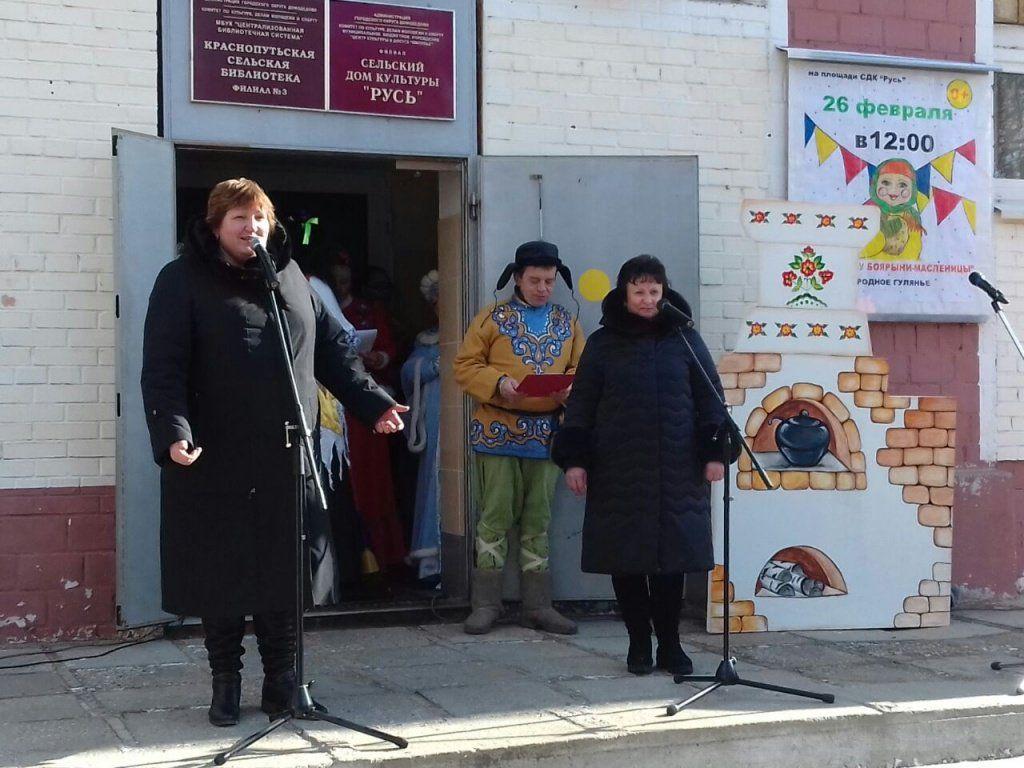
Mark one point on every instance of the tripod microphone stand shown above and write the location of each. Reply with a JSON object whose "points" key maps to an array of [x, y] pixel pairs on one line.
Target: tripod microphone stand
{"points": [[977, 279], [726, 674], [299, 438]]}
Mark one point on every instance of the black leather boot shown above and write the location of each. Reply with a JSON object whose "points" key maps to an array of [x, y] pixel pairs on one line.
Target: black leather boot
{"points": [[278, 692], [227, 693], [275, 637], [666, 605], [634, 605], [223, 641]]}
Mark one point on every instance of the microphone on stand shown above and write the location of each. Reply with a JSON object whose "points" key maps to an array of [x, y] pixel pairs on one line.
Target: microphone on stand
{"points": [[674, 313], [266, 264], [978, 279]]}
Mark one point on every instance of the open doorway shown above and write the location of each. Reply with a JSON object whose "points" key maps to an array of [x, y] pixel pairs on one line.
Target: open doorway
{"points": [[373, 231]]}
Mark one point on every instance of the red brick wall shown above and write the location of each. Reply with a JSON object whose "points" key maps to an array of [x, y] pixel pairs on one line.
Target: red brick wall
{"points": [[57, 566], [932, 29], [988, 512]]}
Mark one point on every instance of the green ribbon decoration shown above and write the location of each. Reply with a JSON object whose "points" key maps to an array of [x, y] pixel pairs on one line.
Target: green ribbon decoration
{"points": [[307, 229]]}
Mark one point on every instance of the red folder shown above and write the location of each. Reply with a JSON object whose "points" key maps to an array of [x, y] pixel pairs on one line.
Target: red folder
{"points": [[543, 385]]}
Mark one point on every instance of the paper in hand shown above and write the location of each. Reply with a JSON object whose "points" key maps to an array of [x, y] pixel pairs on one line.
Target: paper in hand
{"points": [[364, 340], [543, 385]]}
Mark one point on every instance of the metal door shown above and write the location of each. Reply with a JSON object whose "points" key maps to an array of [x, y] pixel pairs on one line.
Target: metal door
{"points": [[144, 240], [599, 211]]}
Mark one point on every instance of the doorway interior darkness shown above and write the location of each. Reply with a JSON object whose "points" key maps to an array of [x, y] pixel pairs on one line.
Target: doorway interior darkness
{"points": [[380, 217]]}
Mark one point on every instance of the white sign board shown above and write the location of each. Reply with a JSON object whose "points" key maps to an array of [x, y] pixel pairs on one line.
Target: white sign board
{"points": [[916, 144]]}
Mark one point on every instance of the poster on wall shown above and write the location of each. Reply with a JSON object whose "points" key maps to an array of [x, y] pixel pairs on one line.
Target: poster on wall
{"points": [[338, 55], [258, 52], [914, 143]]}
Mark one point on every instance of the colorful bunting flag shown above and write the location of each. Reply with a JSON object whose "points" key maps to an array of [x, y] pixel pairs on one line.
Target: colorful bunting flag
{"points": [[971, 211], [969, 151], [945, 203], [825, 144], [853, 164], [924, 180], [944, 165]]}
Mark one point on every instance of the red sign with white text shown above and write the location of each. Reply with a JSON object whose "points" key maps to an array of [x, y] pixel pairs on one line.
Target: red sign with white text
{"points": [[392, 60], [259, 52]]}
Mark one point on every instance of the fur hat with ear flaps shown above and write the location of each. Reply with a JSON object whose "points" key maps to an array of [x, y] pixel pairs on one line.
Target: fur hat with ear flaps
{"points": [[536, 253]]}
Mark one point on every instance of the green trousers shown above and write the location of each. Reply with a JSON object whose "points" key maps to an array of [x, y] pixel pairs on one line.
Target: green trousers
{"points": [[513, 491]]}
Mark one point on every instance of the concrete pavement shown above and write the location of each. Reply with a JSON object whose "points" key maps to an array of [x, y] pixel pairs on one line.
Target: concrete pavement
{"points": [[519, 698]]}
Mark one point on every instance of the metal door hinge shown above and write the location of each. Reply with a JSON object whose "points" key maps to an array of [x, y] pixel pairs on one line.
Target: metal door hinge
{"points": [[474, 207]]}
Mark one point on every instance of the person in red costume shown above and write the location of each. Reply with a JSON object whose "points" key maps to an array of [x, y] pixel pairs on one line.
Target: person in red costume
{"points": [[372, 485]]}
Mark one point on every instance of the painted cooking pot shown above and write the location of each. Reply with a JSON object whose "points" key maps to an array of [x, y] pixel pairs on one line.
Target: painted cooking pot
{"points": [[802, 439]]}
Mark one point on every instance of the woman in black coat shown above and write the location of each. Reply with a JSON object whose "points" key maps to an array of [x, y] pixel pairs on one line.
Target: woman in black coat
{"points": [[639, 439], [216, 401]]}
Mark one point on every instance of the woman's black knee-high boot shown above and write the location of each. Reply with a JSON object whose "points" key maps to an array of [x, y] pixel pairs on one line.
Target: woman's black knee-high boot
{"points": [[666, 605], [223, 640], [634, 605], [275, 637]]}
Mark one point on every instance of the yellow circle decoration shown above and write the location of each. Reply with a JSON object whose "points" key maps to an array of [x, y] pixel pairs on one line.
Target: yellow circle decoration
{"points": [[594, 285], [959, 94]]}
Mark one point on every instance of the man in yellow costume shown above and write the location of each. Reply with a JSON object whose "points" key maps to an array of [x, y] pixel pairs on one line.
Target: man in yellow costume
{"points": [[511, 434]]}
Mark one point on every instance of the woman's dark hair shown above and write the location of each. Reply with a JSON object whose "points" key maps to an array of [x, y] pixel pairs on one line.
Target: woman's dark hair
{"points": [[640, 269]]}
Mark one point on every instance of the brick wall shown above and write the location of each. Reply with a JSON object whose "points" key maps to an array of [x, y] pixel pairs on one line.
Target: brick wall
{"points": [[933, 359], [563, 78], [68, 73], [57, 568], [932, 29]]}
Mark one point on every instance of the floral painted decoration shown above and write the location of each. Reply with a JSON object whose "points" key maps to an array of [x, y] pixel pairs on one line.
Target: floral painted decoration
{"points": [[791, 218], [826, 220], [818, 330], [857, 223], [849, 332], [756, 329], [759, 217], [787, 330], [806, 271]]}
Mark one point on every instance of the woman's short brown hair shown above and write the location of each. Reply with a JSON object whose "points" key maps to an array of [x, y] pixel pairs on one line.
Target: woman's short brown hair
{"points": [[231, 193]]}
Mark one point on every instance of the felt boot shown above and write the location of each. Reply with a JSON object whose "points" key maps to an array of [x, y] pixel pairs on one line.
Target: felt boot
{"points": [[535, 590]]}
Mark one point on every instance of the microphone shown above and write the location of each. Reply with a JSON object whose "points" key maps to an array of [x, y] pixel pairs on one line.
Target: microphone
{"points": [[675, 314], [994, 293], [266, 264]]}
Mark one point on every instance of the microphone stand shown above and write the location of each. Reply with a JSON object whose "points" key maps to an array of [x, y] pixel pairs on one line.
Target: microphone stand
{"points": [[302, 706], [997, 299], [726, 674]]}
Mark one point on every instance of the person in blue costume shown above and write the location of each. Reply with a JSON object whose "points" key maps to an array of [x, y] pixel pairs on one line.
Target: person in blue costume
{"points": [[422, 384]]}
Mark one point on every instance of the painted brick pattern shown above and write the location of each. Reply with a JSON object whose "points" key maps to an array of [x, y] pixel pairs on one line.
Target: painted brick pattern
{"points": [[57, 567], [635, 78], [68, 73], [934, 29]]}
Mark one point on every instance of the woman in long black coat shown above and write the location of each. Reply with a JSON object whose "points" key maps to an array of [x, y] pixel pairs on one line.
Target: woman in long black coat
{"points": [[640, 440], [216, 401]]}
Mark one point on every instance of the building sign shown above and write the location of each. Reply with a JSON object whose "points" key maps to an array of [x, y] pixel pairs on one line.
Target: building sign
{"points": [[915, 144], [339, 55], [390, 60], [259, 52]]}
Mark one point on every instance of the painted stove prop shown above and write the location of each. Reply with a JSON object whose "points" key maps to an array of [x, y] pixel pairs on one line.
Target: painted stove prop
{"points": [[858, 530]]}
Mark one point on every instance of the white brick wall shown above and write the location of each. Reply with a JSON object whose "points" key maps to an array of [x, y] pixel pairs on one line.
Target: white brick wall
{"points": [[1007, 374], [69, 71], [643, 77]]}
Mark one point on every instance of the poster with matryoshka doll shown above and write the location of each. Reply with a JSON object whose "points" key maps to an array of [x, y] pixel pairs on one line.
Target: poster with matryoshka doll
{"points": [[916, 144]]}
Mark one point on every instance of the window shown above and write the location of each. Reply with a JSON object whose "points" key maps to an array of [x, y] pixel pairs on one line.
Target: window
{"points": [[1009, 125]]}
